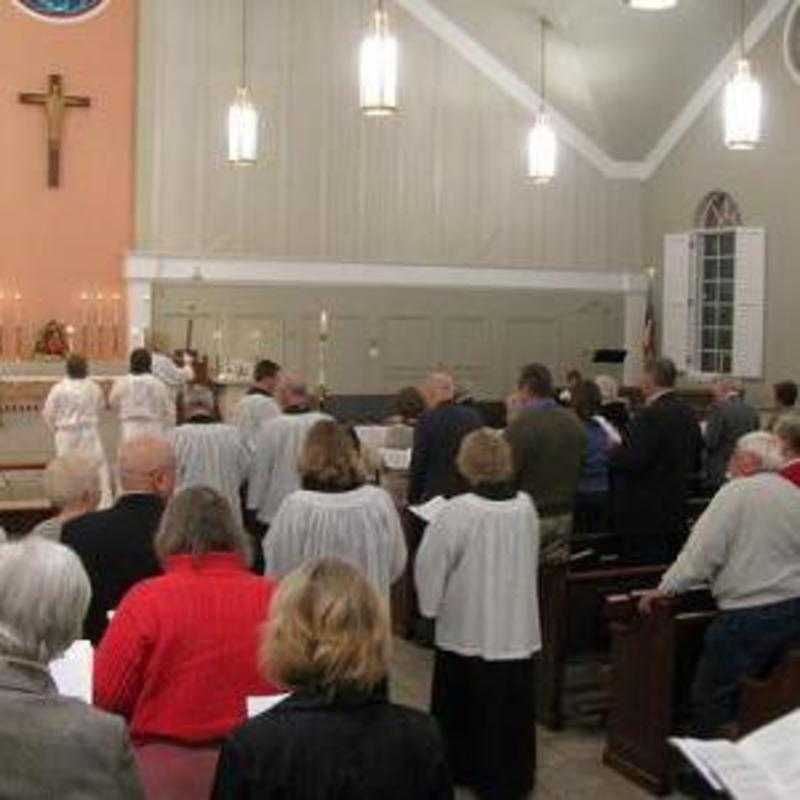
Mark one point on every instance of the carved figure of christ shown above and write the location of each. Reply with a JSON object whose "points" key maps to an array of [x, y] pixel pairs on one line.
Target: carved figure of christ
{"points": [[55, 103]]}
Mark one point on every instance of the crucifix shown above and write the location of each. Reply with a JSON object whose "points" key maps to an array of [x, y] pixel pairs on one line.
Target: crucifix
{"points": [[55, 103]]}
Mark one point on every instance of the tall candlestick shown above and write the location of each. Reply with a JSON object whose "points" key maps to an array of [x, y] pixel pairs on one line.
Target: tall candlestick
{"points": [[324, 332], [20, 345], [2, 324]]}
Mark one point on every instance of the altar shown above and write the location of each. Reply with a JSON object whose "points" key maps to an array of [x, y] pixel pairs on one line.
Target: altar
{"points": [[24, 385]]}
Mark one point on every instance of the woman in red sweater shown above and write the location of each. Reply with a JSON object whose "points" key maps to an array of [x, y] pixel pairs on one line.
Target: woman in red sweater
{"points": [[180, 656]]}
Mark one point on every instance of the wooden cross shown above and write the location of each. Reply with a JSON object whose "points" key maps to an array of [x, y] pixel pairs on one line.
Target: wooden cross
{"points": [[55, 103]]}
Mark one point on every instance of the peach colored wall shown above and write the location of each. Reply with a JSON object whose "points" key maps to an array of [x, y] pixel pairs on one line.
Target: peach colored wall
{"points": [[57, 244]]}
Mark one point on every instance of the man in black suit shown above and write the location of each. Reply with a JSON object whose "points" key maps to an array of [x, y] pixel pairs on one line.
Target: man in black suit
{"points": [[655, 467], [437, 439], [116, 545]]}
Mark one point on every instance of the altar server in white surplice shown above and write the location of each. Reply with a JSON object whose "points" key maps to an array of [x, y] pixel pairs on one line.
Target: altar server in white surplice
{"points": [[164, 368], [258, 406], [72, 412], [144, 405], [210, 453], [335, 514], [274, 473]]}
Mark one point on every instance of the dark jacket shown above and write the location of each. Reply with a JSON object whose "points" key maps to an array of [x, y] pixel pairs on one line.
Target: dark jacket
{"points": [[655, 468], [355, 748], [437, 439], [53, 746], [116, 548], [727, 422], [548, 443]]}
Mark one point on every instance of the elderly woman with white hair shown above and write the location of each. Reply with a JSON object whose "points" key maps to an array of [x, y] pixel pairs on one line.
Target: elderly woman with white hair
{"points": [[50, 745], [72, 485], [746, 548]]}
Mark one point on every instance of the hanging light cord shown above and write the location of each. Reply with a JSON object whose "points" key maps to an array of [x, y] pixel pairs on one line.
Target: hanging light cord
{"points": [[742, 25], [543, 61], [244, 43]]}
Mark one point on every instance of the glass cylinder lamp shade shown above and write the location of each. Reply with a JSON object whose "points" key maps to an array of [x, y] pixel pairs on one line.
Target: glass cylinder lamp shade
{"points": [[742, 109], [242, 129], [542, 151], [651, 5], [378, 70]]}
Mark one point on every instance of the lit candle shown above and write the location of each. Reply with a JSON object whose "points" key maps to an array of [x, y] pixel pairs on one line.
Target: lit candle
{"points": [[324, 324], [70, 331]]}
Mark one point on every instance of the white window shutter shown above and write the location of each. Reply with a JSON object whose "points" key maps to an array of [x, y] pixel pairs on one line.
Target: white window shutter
{"points": [[676, 316], [749, 296]]}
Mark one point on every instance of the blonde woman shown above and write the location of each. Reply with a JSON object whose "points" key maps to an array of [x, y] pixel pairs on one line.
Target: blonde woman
{"points": [[337, 736], [336, 513], [476, 575]]}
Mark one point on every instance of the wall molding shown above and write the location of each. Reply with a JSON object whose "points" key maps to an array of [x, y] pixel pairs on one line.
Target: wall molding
{"points": [[145, 268], [519, 90]]}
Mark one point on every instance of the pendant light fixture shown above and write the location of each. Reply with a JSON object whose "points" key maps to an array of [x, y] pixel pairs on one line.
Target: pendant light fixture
{"points": [[742, 101], [542, 142], [242, 113], [378, 67]]}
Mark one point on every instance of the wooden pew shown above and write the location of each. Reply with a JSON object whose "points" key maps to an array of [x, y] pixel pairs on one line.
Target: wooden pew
{"points": [[571, 604], [18, 517], [653, 659], [764, 700]]}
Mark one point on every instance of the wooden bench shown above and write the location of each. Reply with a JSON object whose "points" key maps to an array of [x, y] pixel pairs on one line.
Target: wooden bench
{"points": [[571, 606], [18, 517], [653, 660], [764, 700]]}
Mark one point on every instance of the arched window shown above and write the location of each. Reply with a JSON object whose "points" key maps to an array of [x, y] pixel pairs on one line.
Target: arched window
{"points": [[716, 221], [717, 210]]}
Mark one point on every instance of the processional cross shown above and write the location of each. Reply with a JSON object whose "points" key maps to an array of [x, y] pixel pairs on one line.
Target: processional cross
{"points": [[55, 103]]}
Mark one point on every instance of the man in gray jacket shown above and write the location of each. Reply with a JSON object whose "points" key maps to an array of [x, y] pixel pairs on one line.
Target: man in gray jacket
{"points": [[729, 418]]}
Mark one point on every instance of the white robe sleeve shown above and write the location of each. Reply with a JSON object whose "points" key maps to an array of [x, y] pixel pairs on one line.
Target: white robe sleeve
{"points": [[49, 411], [432, 566]]}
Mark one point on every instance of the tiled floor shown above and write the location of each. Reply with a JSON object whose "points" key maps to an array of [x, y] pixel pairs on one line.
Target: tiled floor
{"points": [[570, 766]]}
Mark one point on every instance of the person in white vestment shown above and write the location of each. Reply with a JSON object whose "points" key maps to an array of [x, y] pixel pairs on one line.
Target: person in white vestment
{"points": [[274, 474], [142, 401], [72, 412], [336, 514], [258, 406], [476, 574], [164, 368], [211, 453]]}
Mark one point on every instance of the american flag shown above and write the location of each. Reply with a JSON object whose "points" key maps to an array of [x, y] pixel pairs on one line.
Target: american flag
{"points": [[649, 333]]}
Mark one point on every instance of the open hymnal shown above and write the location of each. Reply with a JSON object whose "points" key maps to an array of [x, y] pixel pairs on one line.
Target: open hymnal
{"points": [[259, 704], [430, 510], [761, 766], [72, 673]]}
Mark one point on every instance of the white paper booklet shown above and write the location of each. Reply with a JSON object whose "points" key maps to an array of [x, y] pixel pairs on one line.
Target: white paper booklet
{"points": [[260, 704], [372, 435], [72, 672], [430, 510], [762, 766], [395, 459]]}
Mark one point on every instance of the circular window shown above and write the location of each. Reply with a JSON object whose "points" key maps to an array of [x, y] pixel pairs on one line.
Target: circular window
{"points": [[62, 10]]}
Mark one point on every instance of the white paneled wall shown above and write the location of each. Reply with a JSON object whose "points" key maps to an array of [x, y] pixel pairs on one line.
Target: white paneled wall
{"points": [[485, 335], [443, 184]]}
